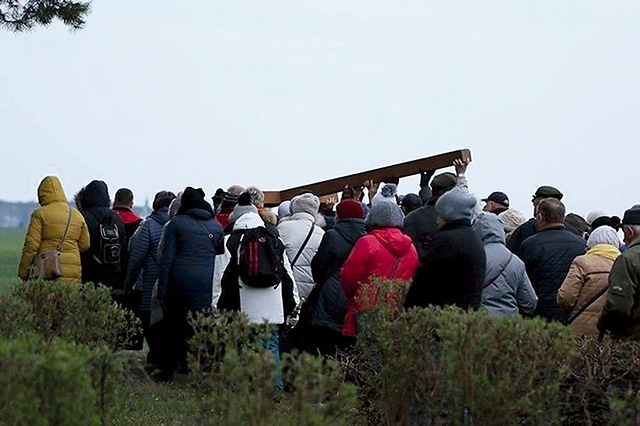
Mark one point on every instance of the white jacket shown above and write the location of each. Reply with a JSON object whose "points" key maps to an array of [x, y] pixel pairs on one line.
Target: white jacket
{"points": [[294, 231]]}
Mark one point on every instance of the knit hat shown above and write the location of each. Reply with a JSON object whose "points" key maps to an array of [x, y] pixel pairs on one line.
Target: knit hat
{"points": [[386, 194], [613, 221], [511, 219], [385, 215], [604, 235], [547, 192], [284, 208], [594, 215], [244, 206], [193, 198], [349, 209], [456, 204], [307, 203]]}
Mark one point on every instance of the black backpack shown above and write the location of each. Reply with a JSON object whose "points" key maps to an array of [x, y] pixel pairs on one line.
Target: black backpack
{"points": [[260, 258], [108, 251]]}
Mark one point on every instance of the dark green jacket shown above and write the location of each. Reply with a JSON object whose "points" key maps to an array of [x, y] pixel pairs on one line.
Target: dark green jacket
{"points": [[621, 313]]}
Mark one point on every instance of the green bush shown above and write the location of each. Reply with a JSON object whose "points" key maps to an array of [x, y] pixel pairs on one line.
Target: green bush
{"points": [[83, 314], [54, 383], [448, 366], [235, 375]]}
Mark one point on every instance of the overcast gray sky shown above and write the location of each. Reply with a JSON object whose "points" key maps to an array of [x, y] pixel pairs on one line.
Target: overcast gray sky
{"points": [[159, 95]]}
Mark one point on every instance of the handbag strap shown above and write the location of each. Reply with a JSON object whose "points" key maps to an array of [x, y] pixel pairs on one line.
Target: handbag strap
{"points": [[304, 243], [66, 230], [488, 283], [586, 305]]}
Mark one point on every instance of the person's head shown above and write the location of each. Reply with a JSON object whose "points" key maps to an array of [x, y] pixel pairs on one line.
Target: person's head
{"points": [[305, 203], [387, 194], [328, 202], [496, 202], [631, 225], [579, 223], [456, 206], [384, 215], [349, 209], [551, 212], [284, 209], [511, 219], [245, 205], [162, 199], [603, 235], [230, 199], [543, 193], [123, 198], [410, 202], [193, 198], [594, 215], [257, 196], [217, 199], [351, 192], [442, 183]]}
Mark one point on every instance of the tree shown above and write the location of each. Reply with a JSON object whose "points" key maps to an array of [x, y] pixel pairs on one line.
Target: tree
{"points": [[18, 15]]}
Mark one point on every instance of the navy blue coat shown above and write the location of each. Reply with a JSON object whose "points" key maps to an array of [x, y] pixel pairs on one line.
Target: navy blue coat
{"points": [[143, 255], [190, 242], [336, 244], [548, 256]]}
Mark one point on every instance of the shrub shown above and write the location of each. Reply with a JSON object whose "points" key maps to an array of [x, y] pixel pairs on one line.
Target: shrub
{"points": [[83, 314], [236, 375], [450, 366], [50, 383]]}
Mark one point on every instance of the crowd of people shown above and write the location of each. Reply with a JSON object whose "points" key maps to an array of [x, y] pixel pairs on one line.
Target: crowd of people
{"points": [[307, 265]]}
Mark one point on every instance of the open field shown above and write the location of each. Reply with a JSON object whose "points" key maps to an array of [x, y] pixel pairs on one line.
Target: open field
{"points": [[11, 241]]}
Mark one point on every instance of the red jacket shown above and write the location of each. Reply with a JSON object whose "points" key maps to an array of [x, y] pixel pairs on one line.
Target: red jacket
{"points": [[375, 254]]}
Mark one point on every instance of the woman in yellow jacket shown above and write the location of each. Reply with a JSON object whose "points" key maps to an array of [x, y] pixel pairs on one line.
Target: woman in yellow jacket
{"points": [[584, 291], [47, 227]]}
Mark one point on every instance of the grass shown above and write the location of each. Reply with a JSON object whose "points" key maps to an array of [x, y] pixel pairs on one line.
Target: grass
{"points": [[11, 241]]}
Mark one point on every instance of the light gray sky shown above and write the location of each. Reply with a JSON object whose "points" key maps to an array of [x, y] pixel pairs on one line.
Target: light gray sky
{"points": [[159, 95]]}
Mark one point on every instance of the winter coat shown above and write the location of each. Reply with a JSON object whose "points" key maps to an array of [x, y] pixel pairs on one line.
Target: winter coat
{"points": [[46, 228], [293, 232], [528, 229], [621, 313], [336, 244], [143, 255], [421, 224], [95, 209], [588, 277], [548, 256], [506, 289], [375, 254], [188, 247], [271, 305], [452, 270]]}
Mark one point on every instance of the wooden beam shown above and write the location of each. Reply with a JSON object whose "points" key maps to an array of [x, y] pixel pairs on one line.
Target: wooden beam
{"points": [[332, 186]]}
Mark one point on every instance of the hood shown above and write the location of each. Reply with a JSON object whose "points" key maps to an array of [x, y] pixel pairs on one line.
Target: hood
{"points": [[488, 228], [160, 215], [95, 194], [351, 229], [50, 190], [199, 214], [248, 221], [393, 240]]}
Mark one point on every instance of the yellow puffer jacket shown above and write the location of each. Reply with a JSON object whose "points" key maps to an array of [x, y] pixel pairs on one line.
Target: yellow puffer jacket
{"points": [[46, 229]]}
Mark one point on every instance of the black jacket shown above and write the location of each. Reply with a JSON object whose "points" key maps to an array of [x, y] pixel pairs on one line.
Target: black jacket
{"points": [[95, 208], [451, 270], [548, 256], [331, 304], [421, 225], [526, 230]]}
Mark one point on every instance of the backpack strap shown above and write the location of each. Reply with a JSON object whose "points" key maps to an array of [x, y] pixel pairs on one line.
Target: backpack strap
{"points": [[209, 234], [66, 230], [488, 283], [304, 243], [395, 268]]}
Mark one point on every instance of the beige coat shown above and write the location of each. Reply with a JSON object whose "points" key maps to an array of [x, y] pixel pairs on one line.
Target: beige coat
{"points": [[588, 276], [46, 229]]}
